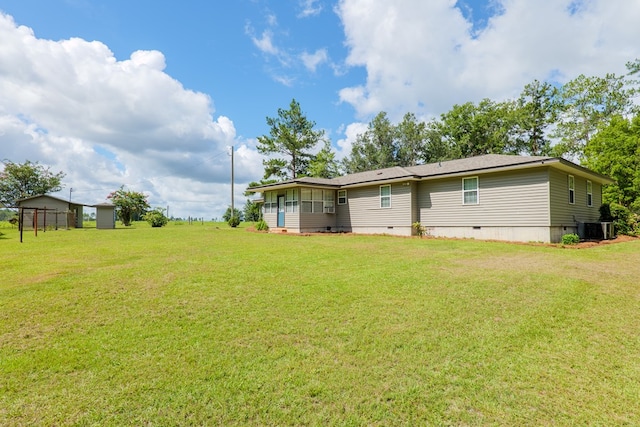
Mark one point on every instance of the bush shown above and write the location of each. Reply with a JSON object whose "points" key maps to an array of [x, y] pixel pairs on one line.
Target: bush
{"points": [[570, 239], [262, 225], [234, 221], [420, 229], [156, 218]]}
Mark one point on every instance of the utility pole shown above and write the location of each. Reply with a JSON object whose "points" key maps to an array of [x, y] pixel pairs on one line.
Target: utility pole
{"points": [[233, 212]]}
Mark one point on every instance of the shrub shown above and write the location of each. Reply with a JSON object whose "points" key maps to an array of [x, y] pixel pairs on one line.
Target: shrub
{"points": [[420, 229], [156, 218], [570, 239], [234, 221], [262, 225]]}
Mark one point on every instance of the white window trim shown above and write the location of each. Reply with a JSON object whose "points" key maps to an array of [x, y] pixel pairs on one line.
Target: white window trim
{"points": [[589, 194], [477, 190], [571, 183], [389, 196], [345, 197]]}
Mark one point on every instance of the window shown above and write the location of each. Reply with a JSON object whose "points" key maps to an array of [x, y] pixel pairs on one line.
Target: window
{"points": [[470, 191], [291, 200], [316, 201], [385, 196], [342, 197], [589, 194], [307, 203], [329, 206], [270, 202], [572, 190]]}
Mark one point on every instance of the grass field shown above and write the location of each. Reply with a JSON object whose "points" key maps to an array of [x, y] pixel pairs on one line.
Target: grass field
{"points": [[206, 325]]}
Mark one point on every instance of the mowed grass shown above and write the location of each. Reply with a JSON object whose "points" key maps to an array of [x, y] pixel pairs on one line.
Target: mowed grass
{"points": [[206, 325]]}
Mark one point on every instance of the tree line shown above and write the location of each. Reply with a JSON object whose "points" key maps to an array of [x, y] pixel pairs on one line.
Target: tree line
{"points": [[592, 120]]}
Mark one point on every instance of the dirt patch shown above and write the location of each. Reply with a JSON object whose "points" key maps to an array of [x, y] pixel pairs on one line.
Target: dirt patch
{"points": [[593, 243]]}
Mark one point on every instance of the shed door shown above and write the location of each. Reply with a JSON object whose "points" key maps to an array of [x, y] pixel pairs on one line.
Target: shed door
{"points": [[280, 211]]}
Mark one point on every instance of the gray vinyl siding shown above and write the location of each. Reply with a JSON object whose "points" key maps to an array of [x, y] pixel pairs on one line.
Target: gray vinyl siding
{"points": [[565, 213], [317, 221], [514, 198], [363, 208], [415, 211]]}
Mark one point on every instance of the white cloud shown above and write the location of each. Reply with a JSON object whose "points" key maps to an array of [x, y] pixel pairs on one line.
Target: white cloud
{"points": [[312, 60], [71, 105], [265, 43], [309, 8], [425, 56], [351, 133]]}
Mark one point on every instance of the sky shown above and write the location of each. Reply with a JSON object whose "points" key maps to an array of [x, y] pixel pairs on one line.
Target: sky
{"points": [[150, 95]]}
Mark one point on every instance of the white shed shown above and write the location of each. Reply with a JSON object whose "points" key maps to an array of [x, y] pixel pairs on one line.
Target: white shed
{"points": [[105, 215]]}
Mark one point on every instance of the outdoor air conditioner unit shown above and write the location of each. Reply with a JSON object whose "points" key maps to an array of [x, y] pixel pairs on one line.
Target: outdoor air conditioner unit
{"points": [[607, 230]]}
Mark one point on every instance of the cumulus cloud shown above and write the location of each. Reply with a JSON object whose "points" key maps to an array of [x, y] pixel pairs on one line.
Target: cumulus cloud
{"points": [[424, 56], [72, 105], [351, 133]]}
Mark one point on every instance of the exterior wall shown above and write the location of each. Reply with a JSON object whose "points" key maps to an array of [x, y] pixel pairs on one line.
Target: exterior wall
{"points": [[565, 214], [291, 219], [513, 234], [363, 214], [58, 215], [511, 206], [105, 217]]}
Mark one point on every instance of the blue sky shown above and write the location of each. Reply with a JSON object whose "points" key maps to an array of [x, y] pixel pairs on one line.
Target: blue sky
{"points": [[148, 94]]}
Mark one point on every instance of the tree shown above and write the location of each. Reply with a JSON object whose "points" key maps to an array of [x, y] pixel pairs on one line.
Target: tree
{"points": [[472, 130], [323, 164], [374, 149], [588, 103], [291, 134], [411, 137], [251, 211], [18, 181], [615, 151], [129, 204], [537, 109]]}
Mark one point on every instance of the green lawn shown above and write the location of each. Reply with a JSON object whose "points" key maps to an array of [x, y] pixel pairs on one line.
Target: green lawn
{"points": [[206, 325]]}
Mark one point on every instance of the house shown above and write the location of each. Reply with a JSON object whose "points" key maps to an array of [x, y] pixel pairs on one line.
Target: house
{"points": [[54, 212], [501, 197]]}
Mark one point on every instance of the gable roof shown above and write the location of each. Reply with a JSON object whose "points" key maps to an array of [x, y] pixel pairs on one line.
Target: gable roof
{"points": [[477, 164], [26, 199]]}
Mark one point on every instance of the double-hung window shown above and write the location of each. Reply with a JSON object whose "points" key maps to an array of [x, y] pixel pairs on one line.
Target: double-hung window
{"points": [[572, 190], [342, 197], [307, 200], [470, 191], [589, 194], [329, 206], [385, 196]]}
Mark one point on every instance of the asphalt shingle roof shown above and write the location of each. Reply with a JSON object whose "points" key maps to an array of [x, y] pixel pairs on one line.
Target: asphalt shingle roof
{"points": [[449, 167]]}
